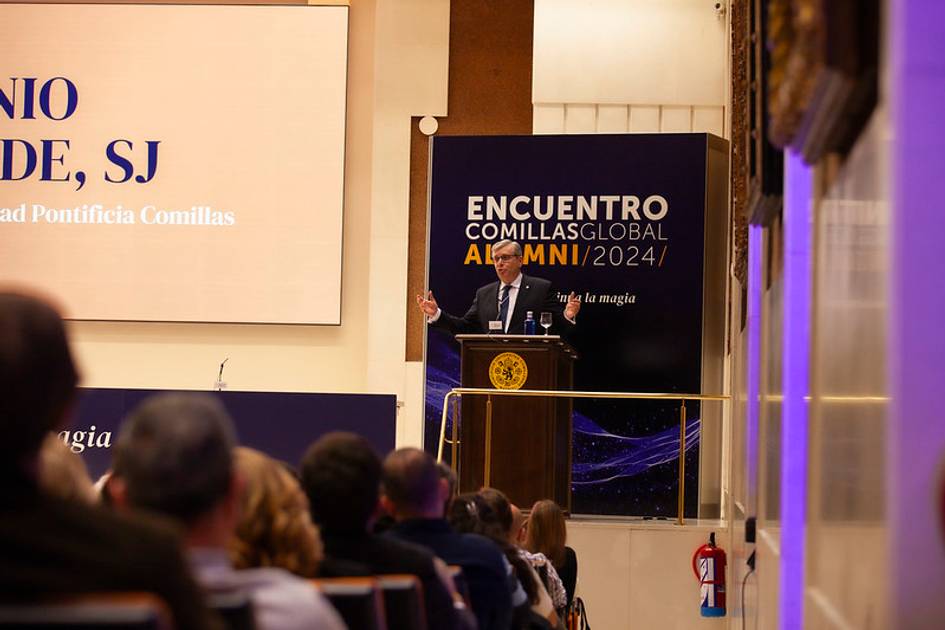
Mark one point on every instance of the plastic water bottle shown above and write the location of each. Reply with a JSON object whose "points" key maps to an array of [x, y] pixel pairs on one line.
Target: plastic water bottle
{"points": [[530, 323]]}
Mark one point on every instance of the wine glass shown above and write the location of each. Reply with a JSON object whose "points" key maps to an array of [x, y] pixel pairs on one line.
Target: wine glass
{"points": [[545, 321]]}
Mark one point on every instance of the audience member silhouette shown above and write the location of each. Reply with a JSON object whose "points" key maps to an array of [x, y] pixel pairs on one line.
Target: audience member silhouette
{"points": [[64, 474], [174, 457], [494, 515], [518, 526], [533, 606], [414, 493], [341, 475], [49, 546], [449, 475], [275, 527], [546, 533], [542, 565]]}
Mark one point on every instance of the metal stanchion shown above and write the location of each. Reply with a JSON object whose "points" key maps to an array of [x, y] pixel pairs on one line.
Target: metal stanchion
{"points": [[488, 469], [454, 450], [681, 496]]}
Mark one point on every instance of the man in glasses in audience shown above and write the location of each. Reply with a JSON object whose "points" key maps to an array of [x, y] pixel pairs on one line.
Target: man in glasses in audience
{"points": [[506, 301]]}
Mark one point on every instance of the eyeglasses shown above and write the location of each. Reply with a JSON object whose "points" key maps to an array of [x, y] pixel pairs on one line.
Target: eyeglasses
{"points": [[504, 257]]}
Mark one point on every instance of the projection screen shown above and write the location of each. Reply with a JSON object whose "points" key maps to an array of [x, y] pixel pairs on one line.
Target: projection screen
{"points": [[174, 162]]}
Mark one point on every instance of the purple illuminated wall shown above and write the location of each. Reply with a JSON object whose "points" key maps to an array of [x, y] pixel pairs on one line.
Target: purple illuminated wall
{"points": [[916, 440], [796, 352], [755, 293]]}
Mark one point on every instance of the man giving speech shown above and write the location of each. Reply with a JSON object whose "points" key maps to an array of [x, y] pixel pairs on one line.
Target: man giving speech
{"points": [[506, 301]]}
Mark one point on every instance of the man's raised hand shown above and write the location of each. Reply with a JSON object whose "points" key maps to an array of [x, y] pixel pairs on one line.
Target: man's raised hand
{"points": [[428, 304], [573, 306]]}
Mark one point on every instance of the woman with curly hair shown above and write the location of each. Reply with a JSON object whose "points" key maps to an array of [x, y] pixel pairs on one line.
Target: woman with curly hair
{"points": [[275, 528]]}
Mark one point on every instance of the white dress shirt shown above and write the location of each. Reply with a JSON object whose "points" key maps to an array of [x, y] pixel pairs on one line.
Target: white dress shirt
{"points": [[513, 295]]}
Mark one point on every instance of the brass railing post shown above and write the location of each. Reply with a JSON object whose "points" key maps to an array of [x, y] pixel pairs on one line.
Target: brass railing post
{"points": [[454, 457], [680, 518], [446, 406], [488, 467]]}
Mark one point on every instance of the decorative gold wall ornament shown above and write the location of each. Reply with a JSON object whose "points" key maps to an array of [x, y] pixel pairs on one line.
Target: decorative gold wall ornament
{"points": [[796, 41], [741, 41], [823, 82]]}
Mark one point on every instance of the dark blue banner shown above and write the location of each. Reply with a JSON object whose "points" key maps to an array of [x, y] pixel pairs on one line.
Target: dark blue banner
{"points": [[619, 220], [279, 424]]}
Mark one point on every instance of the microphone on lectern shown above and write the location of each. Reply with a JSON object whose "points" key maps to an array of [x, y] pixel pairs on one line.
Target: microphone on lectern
{"points": [[219, 385]]}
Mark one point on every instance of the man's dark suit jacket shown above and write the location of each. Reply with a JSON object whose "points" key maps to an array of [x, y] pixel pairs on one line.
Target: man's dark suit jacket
{"points": [[51, 547], [482, 564], [534, 294], [368, 554]]}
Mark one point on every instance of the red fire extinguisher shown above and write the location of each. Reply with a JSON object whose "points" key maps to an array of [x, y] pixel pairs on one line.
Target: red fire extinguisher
{"points": [[708, 563]]}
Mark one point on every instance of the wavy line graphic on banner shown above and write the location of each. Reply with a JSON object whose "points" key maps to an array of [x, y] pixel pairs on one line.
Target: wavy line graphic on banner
{"points": [[598, 455]]}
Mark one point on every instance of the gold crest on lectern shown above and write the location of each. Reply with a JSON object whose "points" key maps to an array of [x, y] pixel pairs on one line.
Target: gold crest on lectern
{"points": [[508, 371]]}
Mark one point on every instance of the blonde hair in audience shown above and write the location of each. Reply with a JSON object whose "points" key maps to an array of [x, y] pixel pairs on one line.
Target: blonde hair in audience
{"points": [[275, 528], [62, 473], [546, 531]]}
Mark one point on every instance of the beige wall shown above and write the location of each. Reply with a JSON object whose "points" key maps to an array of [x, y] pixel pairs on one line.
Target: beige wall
{"points": [[616, 66]]}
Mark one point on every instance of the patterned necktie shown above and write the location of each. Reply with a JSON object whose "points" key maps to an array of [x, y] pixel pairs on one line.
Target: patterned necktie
{"points": [[504, 304]]}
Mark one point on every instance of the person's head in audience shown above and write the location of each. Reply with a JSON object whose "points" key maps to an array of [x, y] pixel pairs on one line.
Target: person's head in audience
{"points": [[341, 475], [412, 485], [62, 473], [517, 535], [493, 519], [449, 476], [38, 378], [470, 514], [546, 532], [174, 457], [502, 508], [275, 528]]}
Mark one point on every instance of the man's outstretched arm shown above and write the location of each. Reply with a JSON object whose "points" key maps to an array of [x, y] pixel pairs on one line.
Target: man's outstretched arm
{"points": [[435, 316]]}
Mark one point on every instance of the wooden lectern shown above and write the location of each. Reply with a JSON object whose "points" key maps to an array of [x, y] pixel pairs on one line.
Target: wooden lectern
{"points": [[530, 440]]}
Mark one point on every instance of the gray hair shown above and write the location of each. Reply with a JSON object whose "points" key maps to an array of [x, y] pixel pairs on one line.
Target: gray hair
{"points": [[175, 454], [516, 248]]}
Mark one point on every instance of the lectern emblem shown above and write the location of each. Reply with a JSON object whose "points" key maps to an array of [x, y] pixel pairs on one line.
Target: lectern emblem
{"points": [[508, 371]]}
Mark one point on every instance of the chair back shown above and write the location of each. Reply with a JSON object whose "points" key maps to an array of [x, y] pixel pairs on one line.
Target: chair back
{"points": [[357, 599], [109, 611], [460, 583], [403, 602], [236, 609]]}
